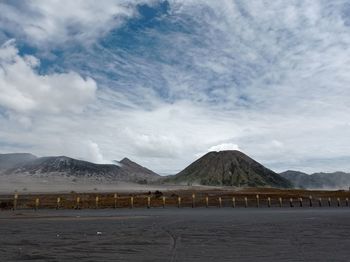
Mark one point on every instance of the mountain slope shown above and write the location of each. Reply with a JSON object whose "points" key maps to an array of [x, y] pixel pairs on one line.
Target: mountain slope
{"points": [[63, 166], [138, 172], [13, 160], [336, 180], [229, 168], [67, 166]]}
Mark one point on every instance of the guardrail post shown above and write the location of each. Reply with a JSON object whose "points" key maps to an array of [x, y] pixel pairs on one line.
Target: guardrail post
{"points": [[77, 203], [96, 201], [310, 201], [15, 200], [131, 202], [115, 200], [58, 203], [37, 202], [148, 202]]}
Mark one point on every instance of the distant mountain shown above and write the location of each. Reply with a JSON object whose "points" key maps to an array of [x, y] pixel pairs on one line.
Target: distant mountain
{"points": [[8, 161], [336, 180], [229, 168], [138, 172], [27, 164]]}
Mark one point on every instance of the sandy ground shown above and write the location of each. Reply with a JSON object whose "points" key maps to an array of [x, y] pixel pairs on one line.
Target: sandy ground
{"points": [[25, 184], [170, 234]]}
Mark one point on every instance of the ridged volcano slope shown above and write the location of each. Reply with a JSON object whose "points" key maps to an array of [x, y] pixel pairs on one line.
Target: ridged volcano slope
{"points": [[229, 168]]}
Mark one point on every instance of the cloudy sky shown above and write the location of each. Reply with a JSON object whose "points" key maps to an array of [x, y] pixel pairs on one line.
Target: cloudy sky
{"points": [[163, 82]]}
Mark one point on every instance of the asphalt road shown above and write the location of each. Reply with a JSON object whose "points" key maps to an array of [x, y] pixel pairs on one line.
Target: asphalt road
{"points": [[308, 234]]}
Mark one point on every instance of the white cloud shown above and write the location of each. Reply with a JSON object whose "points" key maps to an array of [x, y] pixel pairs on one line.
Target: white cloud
{"points": [[56, 22], [25, 91], [224, 146], [271, 77], [94, 153]]}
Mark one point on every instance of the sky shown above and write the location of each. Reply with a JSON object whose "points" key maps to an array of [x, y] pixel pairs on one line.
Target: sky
{"points": [[164, 82]]}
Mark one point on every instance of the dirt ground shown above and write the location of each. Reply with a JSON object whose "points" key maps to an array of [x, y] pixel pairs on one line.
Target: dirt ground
{"points": [[172, 234]]}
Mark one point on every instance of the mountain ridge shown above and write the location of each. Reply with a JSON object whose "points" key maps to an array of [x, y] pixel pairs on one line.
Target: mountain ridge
{"points": [[320, 180], [10, 160], [66, 166]]}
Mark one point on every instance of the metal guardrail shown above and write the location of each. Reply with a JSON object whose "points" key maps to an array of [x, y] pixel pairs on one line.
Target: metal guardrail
{"points": [[79, 201]]}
